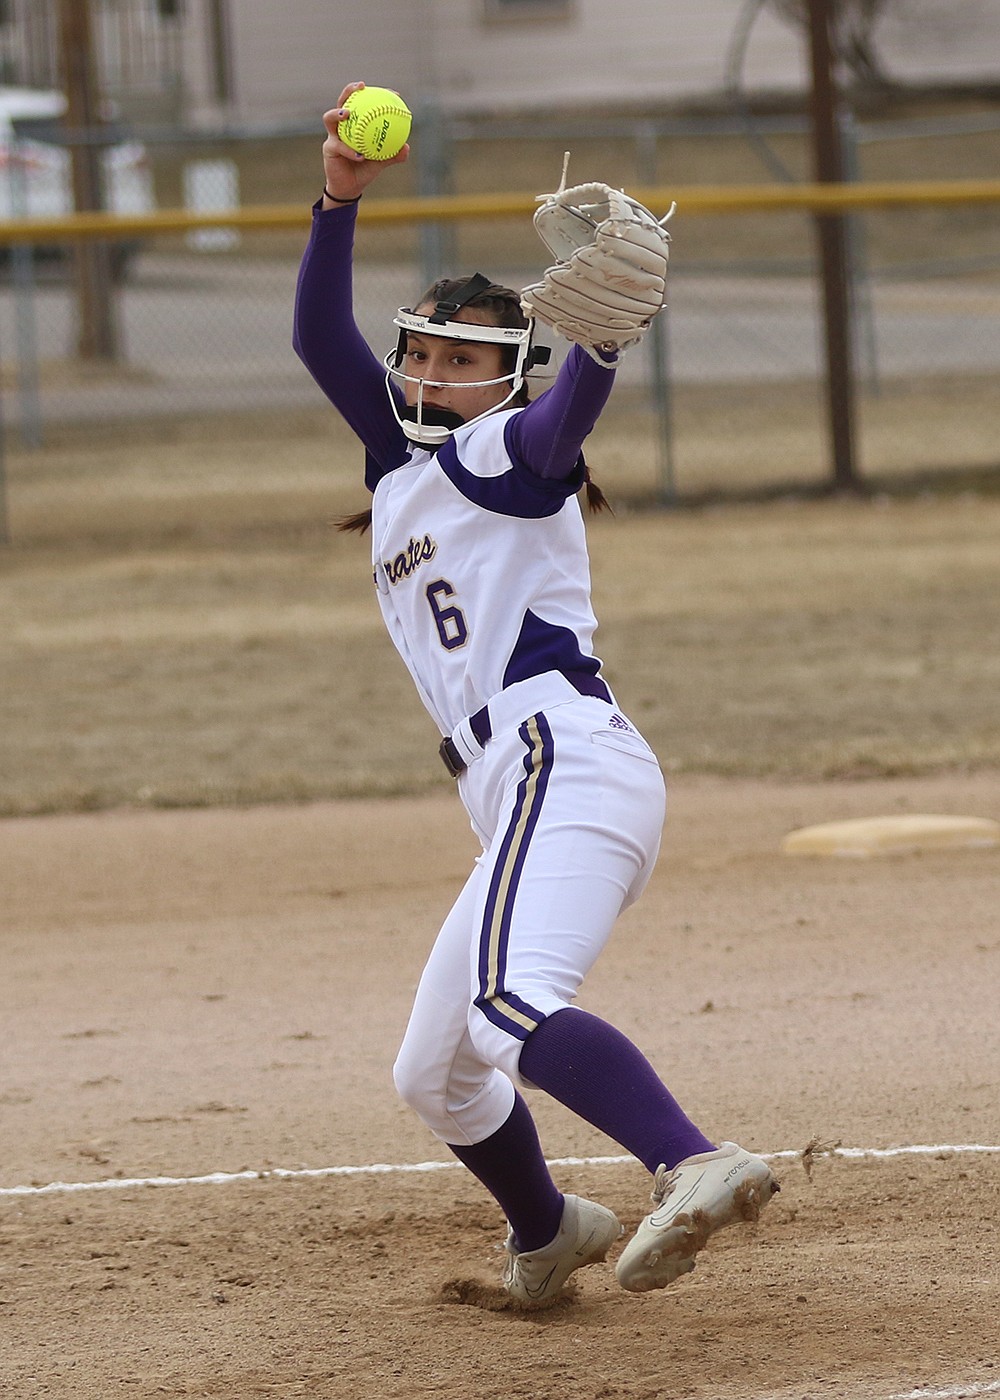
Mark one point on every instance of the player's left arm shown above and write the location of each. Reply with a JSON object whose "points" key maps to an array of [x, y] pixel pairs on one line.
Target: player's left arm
{"points": [[547, 437], [607, 284]]}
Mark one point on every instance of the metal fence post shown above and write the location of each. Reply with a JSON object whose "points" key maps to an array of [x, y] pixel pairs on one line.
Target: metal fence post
{"points": [[23, 276], [857, 258], [660, 395], [437, 241]]}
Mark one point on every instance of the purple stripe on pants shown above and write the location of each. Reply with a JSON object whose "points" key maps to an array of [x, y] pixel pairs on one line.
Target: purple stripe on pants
{"points": [[504, 1009]]}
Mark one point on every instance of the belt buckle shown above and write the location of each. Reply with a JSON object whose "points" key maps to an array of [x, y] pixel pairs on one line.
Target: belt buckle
{"points": [[451, 758]]}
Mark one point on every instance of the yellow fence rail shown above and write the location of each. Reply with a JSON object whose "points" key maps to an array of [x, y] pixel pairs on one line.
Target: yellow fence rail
{"points": [[691, 199]]}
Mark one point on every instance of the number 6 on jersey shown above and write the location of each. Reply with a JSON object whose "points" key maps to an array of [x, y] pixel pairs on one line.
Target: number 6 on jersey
{"points": [[450, 621]]}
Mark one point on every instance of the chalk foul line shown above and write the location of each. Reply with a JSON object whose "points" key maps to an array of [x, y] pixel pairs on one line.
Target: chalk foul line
{"points": [[118, 1183], [958, 1392]]}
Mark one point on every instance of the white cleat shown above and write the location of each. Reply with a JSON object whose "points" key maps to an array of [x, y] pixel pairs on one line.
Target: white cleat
{"points": [[586, 1233], [702, 1194]]}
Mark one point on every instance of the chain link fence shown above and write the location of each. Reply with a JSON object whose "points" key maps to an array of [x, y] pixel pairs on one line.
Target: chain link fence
{"points": [[725, 397]]}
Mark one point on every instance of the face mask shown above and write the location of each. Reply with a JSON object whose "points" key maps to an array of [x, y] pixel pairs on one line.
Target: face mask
{"points": [[426, 424]]}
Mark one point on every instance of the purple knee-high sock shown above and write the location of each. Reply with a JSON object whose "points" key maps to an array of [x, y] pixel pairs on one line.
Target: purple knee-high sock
{"points": [[511, 1167], [600, 1075]]}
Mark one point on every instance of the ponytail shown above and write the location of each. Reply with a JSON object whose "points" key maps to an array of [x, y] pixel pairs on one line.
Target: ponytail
{"points": [[596, 499], [356, 524]]}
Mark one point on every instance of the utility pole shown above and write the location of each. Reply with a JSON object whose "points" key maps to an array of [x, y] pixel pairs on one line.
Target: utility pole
{"points": [[828, 158], [97, 329], [220, 48]]}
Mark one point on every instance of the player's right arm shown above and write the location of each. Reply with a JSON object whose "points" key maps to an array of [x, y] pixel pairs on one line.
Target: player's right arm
{"points": [[326, 337]]}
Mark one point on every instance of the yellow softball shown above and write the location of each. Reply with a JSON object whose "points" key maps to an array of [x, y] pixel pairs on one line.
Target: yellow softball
{"points": [[378, 124]]}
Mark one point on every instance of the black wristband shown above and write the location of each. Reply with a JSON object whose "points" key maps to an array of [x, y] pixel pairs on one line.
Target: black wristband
{"points": [[340, 201]]}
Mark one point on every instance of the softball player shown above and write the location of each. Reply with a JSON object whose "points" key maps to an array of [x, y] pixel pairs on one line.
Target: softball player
{"points": [[481, 569]]}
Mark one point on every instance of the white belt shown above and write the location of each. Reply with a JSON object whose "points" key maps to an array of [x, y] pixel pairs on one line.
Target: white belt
{"points": [[507, 709]]}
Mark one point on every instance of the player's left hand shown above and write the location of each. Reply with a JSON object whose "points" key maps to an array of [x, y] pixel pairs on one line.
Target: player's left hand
{"points": [[347, 173], [610, 280]]}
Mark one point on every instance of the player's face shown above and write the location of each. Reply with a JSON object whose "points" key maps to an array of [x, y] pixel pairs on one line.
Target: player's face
{"points": [[455, 363]]}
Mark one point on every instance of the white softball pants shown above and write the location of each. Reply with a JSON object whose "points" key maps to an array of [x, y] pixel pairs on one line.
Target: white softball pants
{"points": [[569, 808]]}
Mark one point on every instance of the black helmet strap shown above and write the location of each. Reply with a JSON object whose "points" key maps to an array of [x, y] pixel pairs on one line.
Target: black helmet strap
{"points": [[473, 287]]}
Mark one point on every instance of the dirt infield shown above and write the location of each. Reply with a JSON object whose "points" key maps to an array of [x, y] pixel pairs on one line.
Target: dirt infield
{"points": [[227, 844], [219, 991]]}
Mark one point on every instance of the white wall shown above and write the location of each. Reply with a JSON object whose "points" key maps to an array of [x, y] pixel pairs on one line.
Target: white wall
{"points": [[291, 56], [942, 40], [621, 53]]}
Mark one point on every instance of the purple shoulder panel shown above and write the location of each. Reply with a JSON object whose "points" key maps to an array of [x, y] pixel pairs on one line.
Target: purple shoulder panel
{"points": [[517, 492]]}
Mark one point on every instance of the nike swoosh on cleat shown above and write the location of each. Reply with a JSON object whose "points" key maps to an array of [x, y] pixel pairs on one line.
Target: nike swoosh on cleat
{"points": [[674, 1207], [537, 1292], [581, 1249]]}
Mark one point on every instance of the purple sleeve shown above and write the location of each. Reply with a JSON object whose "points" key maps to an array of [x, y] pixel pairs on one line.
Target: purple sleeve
{"points": [[547, 437], [327, 340]]}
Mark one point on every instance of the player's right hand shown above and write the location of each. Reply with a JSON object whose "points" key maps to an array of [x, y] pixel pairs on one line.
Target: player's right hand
{"points": [[346, 172]]}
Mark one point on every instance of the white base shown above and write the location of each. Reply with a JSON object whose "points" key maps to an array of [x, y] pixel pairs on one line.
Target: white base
{"points": [[869, 836]]}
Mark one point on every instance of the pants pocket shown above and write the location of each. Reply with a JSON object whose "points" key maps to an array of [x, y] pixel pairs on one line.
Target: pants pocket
{"points": [[625, 742]]}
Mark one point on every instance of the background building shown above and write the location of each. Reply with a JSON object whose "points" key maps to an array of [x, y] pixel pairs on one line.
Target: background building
{"points": [[197, 61]]}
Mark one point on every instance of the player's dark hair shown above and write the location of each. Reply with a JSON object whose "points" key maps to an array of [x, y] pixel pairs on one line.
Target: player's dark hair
{"points": [[360, 521], [504, 307]]}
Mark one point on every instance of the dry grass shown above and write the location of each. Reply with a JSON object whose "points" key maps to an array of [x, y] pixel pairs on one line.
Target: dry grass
{"points": [[182, 627], [752, 438]]}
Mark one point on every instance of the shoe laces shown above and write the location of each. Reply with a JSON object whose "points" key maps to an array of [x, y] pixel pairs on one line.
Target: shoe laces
{"points": [[663, 1184]]}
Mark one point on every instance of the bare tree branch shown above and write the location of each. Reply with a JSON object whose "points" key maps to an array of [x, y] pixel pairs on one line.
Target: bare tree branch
{"points": [[853, 33]]}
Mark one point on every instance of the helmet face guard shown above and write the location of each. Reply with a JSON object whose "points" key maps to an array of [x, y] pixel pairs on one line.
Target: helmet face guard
{"points": [[427, 424]]}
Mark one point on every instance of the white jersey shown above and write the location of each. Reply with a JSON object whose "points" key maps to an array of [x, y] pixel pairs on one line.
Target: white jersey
{"points": [[472, 605]]}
